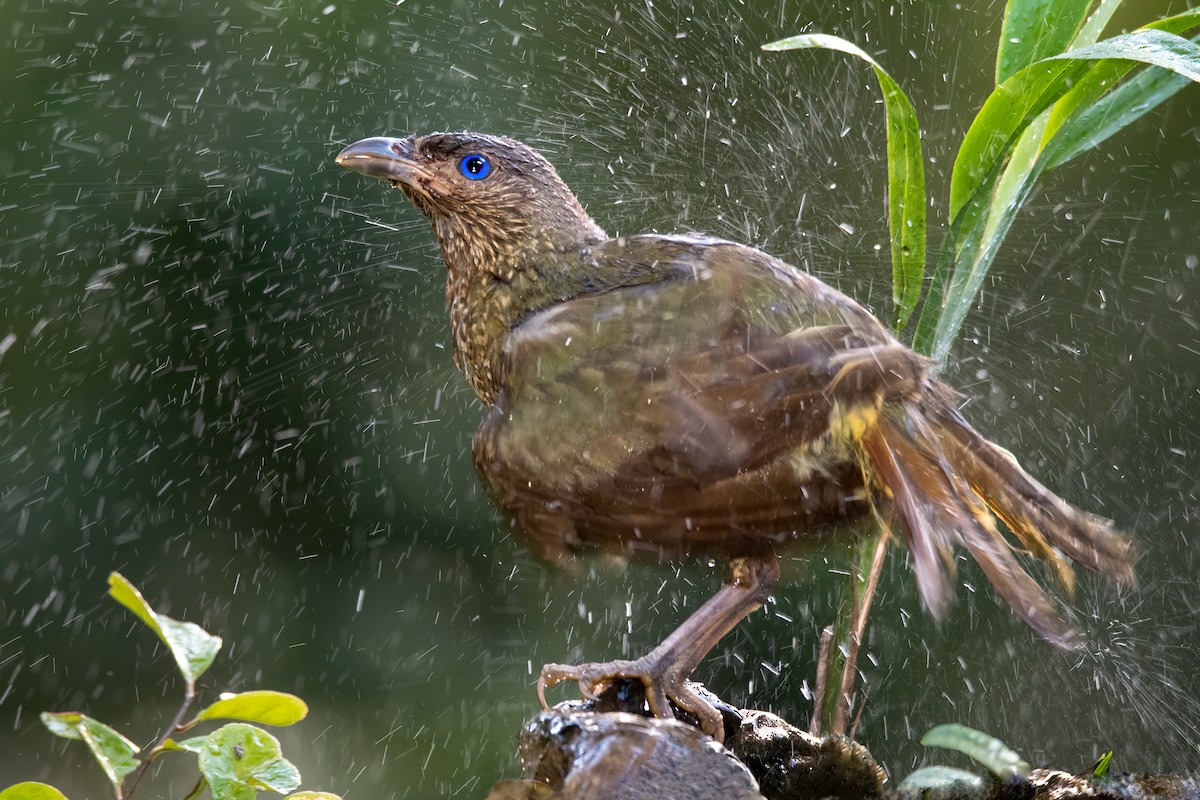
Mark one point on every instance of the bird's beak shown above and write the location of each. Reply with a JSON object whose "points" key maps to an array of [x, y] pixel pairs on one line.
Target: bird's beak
{"points": [[383, 157]]}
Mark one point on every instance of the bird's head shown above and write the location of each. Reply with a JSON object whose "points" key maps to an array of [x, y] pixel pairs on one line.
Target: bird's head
{"points": [[487, 196], [512, 235]]}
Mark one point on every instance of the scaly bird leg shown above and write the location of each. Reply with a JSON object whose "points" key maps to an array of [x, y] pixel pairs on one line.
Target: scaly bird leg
{"points": [[665, 669]]}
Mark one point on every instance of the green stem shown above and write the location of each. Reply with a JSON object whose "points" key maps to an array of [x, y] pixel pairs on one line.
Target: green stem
{"points": [[135, 777], [197, 789], [841, 641]]}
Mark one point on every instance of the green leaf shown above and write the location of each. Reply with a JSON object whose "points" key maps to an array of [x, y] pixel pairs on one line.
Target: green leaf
{"points": [[989, 751], [193, 745], [1099, 769], [193, 647], [115, 753], [1094, 110], [264, 707], [239, 760], [906, 176], [32, 790], [1010, 108], [1096, 23], [1110, 113], [197, 790], [981, 214], [1035, 29], [937, 777]]}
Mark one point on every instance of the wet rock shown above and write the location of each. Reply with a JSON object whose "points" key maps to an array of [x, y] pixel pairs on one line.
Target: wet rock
{"points": [[610, 748], [581, 755], [791, 763], [1053, 784]]}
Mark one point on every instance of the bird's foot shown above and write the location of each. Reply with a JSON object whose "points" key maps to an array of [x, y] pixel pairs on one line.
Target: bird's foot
{"points": [[664, 680]]}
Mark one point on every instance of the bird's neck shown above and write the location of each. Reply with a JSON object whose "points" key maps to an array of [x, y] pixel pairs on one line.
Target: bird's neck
{"points": [[496, 279]]}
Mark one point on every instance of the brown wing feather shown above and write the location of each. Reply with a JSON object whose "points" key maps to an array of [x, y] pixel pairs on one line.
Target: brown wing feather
{"points": [[711, 413], [684, 415]]}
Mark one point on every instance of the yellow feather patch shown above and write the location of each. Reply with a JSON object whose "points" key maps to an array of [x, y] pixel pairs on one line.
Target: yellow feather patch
{"points": [[850, 423]]}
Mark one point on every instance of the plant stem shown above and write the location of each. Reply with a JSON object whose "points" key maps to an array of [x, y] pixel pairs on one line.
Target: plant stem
{"points": [[820, 701], [197, 789], [841, 641], [861, 607], [135, 777]]}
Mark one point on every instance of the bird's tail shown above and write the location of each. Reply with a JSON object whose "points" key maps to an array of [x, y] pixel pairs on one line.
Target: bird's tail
{"points": [[948, 485]]}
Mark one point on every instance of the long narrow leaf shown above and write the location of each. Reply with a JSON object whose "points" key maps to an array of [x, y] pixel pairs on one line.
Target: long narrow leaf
{"points": [[906, 176], [1021, 98], [1000, 759], [1029, 162], [1093, 110], [961, 245], [1036, 29], [1033, 30], [1124, 105], [1096, 23], [992, 138]]}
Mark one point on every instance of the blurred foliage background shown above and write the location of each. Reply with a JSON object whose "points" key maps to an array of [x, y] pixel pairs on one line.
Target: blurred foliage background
{"points": [[224, 371]]}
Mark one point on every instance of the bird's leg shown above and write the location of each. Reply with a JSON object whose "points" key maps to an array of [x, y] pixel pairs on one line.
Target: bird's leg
{"points": [[665, 669]]}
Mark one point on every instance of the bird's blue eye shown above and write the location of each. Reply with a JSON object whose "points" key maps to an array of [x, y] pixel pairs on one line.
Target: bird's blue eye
{"points": [[475, 167]]}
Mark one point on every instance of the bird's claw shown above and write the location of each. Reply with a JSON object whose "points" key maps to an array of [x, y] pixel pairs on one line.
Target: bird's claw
{"points": [[663, 685], [590, 677]]}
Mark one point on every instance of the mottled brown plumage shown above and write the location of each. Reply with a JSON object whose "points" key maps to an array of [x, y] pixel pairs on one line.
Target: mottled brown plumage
{"points": [[682, 395]]}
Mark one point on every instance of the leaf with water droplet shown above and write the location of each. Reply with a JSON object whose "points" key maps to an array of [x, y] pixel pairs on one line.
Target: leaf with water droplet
{"points": [[938, 777], [1035, 29], [31, 790], [906, 176], [980, 216], [1100, 105], [193, 647], [240, 760], [1001, 760], [115, 754], [264, 707]]}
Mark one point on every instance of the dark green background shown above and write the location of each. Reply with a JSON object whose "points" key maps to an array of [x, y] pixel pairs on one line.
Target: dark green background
{"points": [[226, 371]]}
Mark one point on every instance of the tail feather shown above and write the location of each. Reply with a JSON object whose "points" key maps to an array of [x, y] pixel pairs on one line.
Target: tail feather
{"points": [[921, 498], [948, 484], [1035, 514]]}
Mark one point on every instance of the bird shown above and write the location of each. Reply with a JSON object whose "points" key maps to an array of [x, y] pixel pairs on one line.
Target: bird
{"points": [[675, 396]]}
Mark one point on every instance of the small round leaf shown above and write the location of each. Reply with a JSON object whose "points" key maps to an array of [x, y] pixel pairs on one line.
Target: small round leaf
{"points": [[193, 647], [116, 755], [264, 707], [238, 760], [32, 790]]}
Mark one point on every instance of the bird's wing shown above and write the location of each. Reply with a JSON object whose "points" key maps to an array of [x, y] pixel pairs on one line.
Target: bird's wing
{"points": [[727, 363]]}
